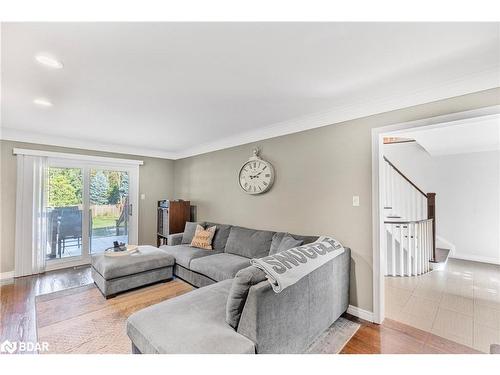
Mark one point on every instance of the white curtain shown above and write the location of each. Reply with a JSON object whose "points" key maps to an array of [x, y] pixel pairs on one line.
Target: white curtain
{"points": [[31, 214]]}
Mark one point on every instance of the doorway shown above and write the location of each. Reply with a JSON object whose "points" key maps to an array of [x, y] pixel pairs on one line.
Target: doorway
{"points": [[378, 190]]}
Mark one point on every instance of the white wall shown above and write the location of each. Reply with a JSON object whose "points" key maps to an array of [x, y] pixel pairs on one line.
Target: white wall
{"points": [[467, 196]]}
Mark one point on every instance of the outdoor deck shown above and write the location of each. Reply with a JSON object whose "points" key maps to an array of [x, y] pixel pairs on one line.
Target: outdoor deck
{"points": [[98, 245]]}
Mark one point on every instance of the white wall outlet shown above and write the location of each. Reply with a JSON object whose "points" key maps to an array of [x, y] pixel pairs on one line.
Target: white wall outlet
{"points": [[143, 196], [355, 200]]}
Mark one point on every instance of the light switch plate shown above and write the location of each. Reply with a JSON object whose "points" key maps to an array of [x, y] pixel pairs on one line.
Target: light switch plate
{"points": [[143, 196], [355, 200]]}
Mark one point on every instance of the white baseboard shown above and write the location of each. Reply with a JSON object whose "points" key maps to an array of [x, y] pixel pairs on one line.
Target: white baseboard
{"points": [[475, 258], [6, 275], [360, 313]]}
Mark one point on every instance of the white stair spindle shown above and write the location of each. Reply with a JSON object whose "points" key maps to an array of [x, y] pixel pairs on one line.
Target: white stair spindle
{"points": [[401, 251], [408, 244], [393, 202], [430, 239], [390, 188], [422, 254], [421, 269], [417, 245], [415, 251], [424, 244], [417, 205], [427, 239], [398, 196], [387, 185], [393, 250], [414, 205]]}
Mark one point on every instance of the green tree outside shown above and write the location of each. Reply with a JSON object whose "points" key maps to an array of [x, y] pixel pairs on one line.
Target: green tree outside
{"points": [[65, 187], [62, 193], [99, 186]]}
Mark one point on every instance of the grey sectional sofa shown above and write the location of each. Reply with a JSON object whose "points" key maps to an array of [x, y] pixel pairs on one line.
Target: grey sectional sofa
{"points": [[195, 322], [233, 247]]}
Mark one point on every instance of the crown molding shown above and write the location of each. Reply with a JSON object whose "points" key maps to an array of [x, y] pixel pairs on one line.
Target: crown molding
{"points": [[484, 80], [357, 108]]}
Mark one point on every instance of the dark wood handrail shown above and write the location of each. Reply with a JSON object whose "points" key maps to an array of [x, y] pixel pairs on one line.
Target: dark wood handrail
{"points": [[406, 178], [431, 214]]}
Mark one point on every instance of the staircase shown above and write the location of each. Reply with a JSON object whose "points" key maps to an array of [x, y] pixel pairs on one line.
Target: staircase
{"points": [[409, 219]]}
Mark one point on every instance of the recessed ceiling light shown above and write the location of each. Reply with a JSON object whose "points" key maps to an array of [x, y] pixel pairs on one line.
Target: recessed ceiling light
{"points": [[42, 102], [49, 61]]}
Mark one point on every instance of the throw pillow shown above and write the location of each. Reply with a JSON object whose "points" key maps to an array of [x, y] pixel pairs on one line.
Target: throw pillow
{"points": [[203, 237], [288, 242], [238, 293], [278, 236], [189, 231]]}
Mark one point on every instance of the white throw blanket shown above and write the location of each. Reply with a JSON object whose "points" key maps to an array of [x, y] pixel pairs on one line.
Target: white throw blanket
{"points": [[287, 267]]}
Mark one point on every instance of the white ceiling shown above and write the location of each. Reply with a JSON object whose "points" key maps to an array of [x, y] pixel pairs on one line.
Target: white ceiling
{"points": [[178, 89], [472, 135]]}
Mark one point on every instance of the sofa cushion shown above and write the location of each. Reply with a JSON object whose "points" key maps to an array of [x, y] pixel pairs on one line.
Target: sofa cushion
{"points": [[288, 242], [249, 243], [221, 235], [189, 231], [219, 266], [183, 254], [238, 293], [193, 323], [147, 258], [278, 236]]}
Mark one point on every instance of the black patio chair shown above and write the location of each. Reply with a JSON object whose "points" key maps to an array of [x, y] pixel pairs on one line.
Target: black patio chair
{"points": [[69, 229]]}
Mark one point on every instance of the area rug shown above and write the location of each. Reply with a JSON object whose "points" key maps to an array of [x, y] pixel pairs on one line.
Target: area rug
{"points": [[81, 321], [333, 340]]}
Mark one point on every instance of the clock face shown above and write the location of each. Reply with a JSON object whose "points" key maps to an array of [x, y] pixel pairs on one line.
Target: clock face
{"points": [[256, 176]]}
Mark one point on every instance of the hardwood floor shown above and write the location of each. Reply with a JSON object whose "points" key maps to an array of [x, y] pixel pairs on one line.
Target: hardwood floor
{"points": [[17, 300], [392, 337], [18, 320]]}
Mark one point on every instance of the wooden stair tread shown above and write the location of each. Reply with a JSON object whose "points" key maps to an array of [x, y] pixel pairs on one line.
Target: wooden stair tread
{"points": [[442, 255]]}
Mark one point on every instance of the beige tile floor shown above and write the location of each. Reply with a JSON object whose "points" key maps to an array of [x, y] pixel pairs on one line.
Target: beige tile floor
{"points": [[460, 303]]}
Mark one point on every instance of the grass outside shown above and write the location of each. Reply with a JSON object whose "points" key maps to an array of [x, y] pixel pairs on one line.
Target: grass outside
{"points": [[104, 221]]}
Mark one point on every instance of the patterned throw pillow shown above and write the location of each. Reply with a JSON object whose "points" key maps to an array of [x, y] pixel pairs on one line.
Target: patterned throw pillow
{"points": [[203, 237]]}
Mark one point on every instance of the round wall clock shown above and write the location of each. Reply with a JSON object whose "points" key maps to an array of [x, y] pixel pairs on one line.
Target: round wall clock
{"points": [[256, 175]]}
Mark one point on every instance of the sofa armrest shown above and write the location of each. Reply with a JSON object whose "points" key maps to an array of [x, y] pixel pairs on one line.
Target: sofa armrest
{"points": [[174, 239], [288, 322]]}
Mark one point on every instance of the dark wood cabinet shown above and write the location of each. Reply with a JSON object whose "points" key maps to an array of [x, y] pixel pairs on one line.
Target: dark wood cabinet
{"points": [[171, 218]]}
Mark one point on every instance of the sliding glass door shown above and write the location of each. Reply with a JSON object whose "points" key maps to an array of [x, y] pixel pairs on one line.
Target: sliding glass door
{"points": [[109, 208], [64, 212], [89, 207]]}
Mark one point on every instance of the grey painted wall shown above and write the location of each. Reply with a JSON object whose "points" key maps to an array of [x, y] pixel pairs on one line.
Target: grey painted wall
{"points": [[317, 173], [155, 180]]}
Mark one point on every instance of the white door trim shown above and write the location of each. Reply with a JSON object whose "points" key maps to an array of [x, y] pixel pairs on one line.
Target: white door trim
{"points": [[378, 239]]}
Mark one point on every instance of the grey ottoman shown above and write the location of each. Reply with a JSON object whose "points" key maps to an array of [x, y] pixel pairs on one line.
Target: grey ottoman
{"points": [[148, 265]]}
